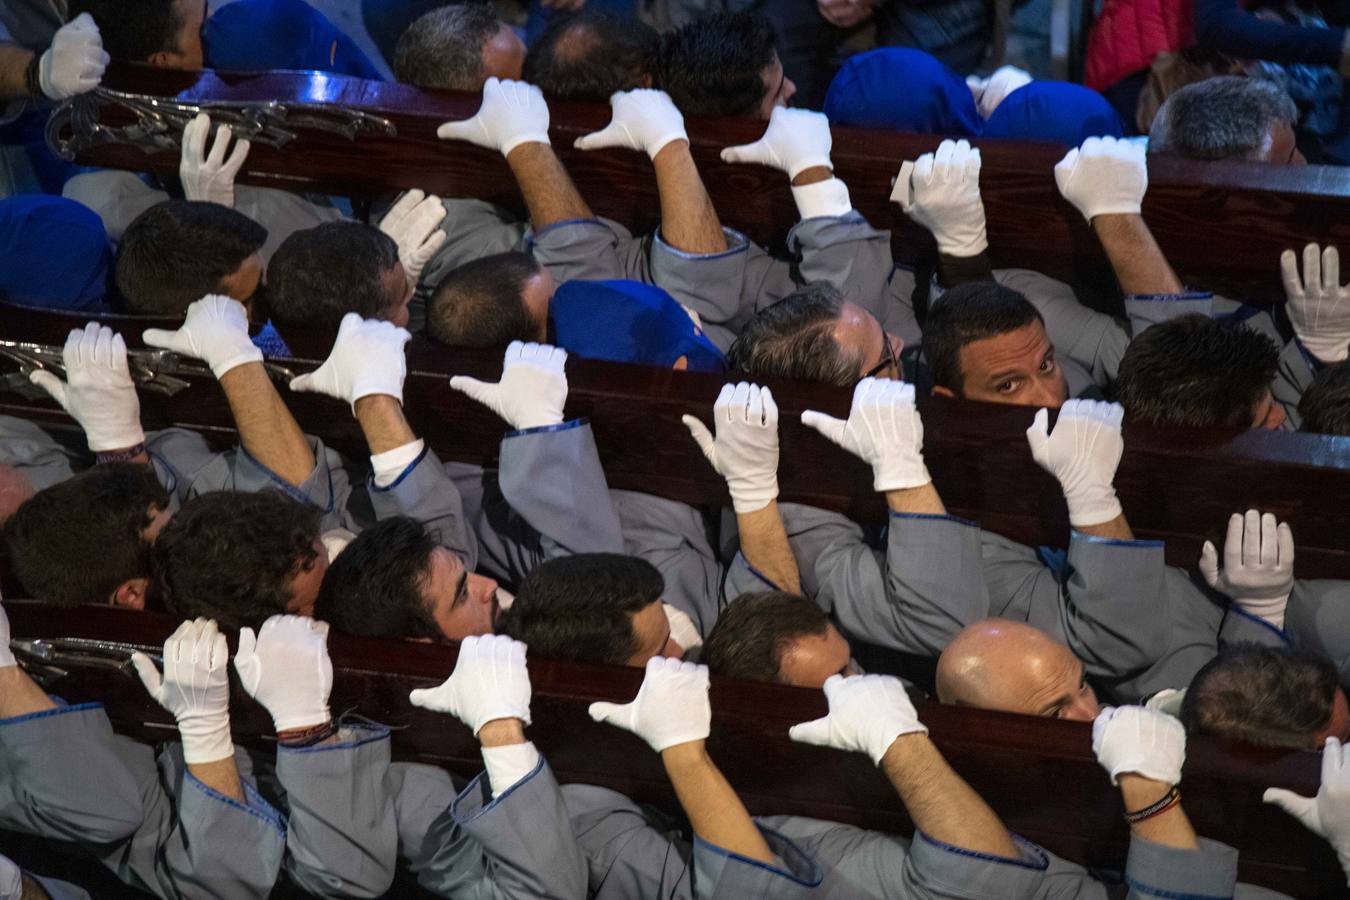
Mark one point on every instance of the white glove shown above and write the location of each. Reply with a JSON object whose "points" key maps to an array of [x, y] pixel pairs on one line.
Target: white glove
{"points": [[75, 61], [1328, 814], [941, 191], [286, 668], [210, 178], [99, 394], [533, 389], [1143, 741], [883, 429], [490, 682], [414, 224], [1319, 307], [1258, 565], [745, 451], [1105, 176], [796, 140], [644, 119], [671, 707], [7, 659], [867, 714], [1083, 454], [513, 113], [195, 687], [214, 331], [990, 92], [367, 358], [683, 631]]}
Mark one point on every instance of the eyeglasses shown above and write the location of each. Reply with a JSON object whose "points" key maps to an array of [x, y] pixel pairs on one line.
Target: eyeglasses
{"points": [[888, 358]]}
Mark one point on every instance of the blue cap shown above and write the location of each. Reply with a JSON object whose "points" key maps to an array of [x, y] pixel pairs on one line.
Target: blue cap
{"points": [[1054, 111], [59, 253], [903, 90], [630, 322], [256, 35]]}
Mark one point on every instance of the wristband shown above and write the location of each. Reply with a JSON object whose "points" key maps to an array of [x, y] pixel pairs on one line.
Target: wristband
{"points": [[308, 737], [116, 456], [1170, 799]]}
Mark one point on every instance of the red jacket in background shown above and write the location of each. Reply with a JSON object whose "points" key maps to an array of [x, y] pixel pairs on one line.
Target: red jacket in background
{"points": [[1130, 33]]}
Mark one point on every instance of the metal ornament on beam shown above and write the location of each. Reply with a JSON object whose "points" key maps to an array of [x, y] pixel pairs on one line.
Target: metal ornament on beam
{"points": [[76, 125]]}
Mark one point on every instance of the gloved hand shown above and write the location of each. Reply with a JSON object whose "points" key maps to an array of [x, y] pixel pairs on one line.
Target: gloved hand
{"points": [[1258, 565], [210, 178], [1328, 814], [796, 140], [414, 224], [990, 92], [490, 682], [941, 191], [683, 631], [1106, 176], [745, 451], [99, 394], [367, 358], [286, 668], [644, 119], [75, 61], [867, 714], [195, 687], [214, 331], [1083, 454], [533, 389], [1319, 307], [1132, 739], [883, 429], [513, 113], [7, 659], [671, 707]]}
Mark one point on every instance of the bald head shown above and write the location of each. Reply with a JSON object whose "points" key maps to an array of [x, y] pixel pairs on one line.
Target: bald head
{"points": [[1009, 666]]}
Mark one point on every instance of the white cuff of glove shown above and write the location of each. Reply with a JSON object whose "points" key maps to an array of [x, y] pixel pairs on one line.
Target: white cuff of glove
{"points": [[1269, 611], [119, 437], [207, 747], [1092, 505], [11, 880], [7, 660], [386, 467], [509, 765], [244, 356], [682, 629], [899, 474], [1328, 350], [824, 198], [513, 143]]}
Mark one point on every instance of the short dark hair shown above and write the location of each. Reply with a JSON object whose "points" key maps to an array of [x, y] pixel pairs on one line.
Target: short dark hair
{"points": [[753, 632], [794, 338], [177, 252], [230, 556], [1197, 372], [133, 30], [320, 274], [967, 313], [1325, 405], [1262, 695], [79, 540], [581, 607], [481, 303], [444, 47], [591, 55], [1220, 118], [374, 587], [714, 66]]}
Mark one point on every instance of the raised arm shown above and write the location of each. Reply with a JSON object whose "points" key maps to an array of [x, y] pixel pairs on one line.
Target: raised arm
{"points": [[73, 64], [19, 695], [745, 453], [941, 191], [797, 142], [1319, 305], [672, 714], [1143, 750], [1106, 180], [872, 714], [1258, 565], [1083, 453], [210, 176], [1327, 814], [414, 222]]}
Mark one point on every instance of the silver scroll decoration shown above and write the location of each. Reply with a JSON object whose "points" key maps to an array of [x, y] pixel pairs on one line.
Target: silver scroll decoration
{"points": [[74, 126]]}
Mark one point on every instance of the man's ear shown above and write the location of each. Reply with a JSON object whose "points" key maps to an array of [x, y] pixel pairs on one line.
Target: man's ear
{"points": [[681, 364], [130, 594], [160, 60], [940, 391], [648, 81]]}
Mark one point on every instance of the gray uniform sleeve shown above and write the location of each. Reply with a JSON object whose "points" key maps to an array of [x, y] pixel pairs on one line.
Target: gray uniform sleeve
{"points": [[473, 229], [629, 850], [847, 252], [1115, 609], [1318, 620], [282, 213], [425, 491], [118, 197], [1293, 376], [673, 537], [34, 452], [591, 250], [707, 284], [720, 874], [1092, 339], [342, 839], [62, 779]]}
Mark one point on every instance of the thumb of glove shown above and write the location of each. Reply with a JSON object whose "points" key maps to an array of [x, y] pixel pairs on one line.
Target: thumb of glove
{"points": [[701, 435], [903, 189], [1038, 435], [148, 672], [427, 698], [158, 337], [302, 383], [816, 732], [1302, 808], [612, 713], [744, 153], [1064, 168], [832, 428], [457, 131], [51, 384], [246, 661], [482, 391], [609, 136], [1209, 564]]}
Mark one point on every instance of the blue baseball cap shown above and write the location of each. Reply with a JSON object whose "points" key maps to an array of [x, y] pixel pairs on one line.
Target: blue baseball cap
{"points": [[631, 322], [903, 90], [1054, 111], [257, 35], [59, 252]]}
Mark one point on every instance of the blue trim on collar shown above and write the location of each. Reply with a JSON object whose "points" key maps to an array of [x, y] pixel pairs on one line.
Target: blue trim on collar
{"points": [[1077, 535], [1170, 298], [1138, 885], [754, 863], [1315, 365], [935, 517], [1237, 610], [169, 470], [760, 575], [1244, 312], [1040, 863], [47, 713], [401, 476], [280, 483], [376, 733], [256, 805], [545, 429]]}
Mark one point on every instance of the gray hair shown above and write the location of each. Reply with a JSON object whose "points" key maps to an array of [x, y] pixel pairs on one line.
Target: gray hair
{"points": [[1220, 118], [794, 338], [444, 48]]}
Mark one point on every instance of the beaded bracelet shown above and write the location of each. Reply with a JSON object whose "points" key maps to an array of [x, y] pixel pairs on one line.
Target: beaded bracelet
{"points": [[308, 737], [114, 456], [1170, 799]]}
